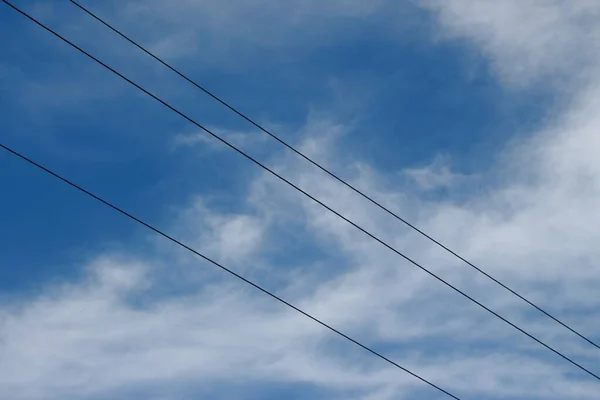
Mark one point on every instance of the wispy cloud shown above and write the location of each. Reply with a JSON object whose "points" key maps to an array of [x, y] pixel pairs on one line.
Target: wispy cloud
{"points": [[95, 338], [438, 174], [236, 138], [526, 41]]}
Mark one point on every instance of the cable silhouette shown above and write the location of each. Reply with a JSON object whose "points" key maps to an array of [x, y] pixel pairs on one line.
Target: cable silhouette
{"points": [[332, 174], [231, 272], [258, 163]]}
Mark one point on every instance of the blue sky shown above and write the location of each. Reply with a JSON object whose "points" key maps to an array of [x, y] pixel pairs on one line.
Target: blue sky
{"points": [[474, 120]]}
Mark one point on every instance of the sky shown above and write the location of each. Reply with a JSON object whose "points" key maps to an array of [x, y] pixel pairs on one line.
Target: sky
{"points": [[474, 120]]}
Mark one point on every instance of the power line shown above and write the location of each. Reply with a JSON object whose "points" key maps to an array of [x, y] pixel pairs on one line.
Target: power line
{"points": [[256, 286], [328, 172], [258, 163]]}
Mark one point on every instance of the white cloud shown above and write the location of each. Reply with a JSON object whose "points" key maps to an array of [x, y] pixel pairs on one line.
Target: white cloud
{"points": [[241, 139], [526, 40], [231, 237], [438, 174], [92, 339]]}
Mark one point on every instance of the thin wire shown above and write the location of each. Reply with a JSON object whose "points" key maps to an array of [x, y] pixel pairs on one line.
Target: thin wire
{"points": [[256, 286], [189, 119], [328, 172]]}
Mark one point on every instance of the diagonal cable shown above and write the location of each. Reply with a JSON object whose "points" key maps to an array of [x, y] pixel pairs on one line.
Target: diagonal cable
{"points": [[256, 286]]}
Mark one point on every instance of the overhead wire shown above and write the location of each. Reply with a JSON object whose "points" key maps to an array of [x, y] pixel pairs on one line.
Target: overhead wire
{"points": [[332, 174], [272, 172], [229, 271]]}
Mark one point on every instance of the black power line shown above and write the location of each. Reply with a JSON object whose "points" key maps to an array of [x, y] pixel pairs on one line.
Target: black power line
{"points": [[249, 282], [328, 172], [258, 163]]}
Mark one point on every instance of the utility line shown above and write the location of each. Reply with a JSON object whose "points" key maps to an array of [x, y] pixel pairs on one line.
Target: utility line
{"points": [[331, 174], [258, 163], [249, 282]]}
